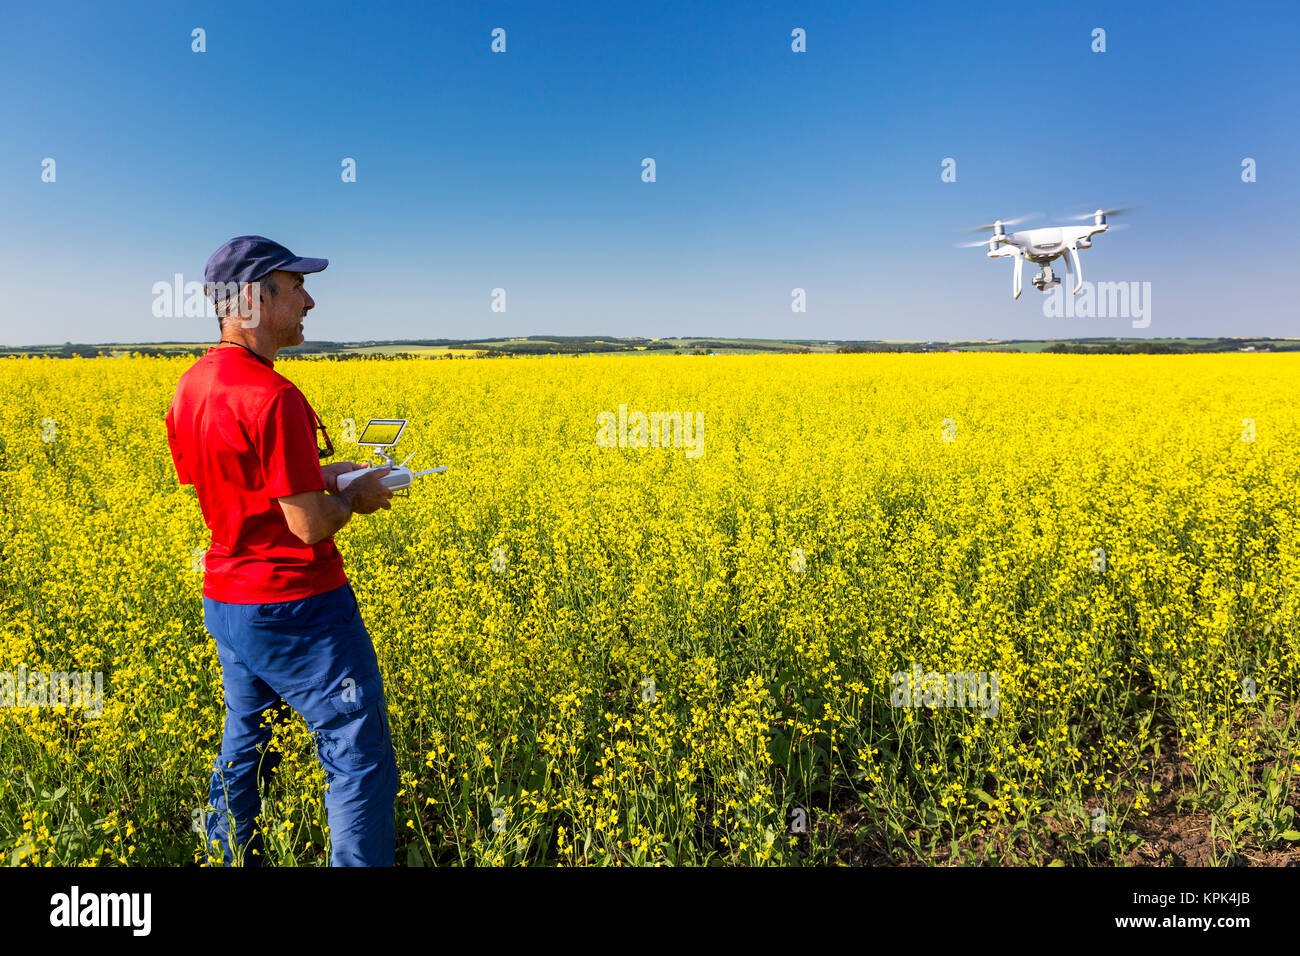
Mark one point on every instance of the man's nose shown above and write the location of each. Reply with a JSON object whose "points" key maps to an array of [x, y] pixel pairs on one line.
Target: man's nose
{"points": [[311, 303]]}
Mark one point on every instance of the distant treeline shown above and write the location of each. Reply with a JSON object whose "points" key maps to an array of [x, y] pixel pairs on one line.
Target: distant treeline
{"points": [[555, 345], [1169, 348], [792, 348], [97, 351], [1086, 346], [495, 347], [886, 347]]}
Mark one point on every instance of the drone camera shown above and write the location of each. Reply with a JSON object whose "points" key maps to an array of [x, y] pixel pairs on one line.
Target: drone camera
{"points": [[1045, 279]]}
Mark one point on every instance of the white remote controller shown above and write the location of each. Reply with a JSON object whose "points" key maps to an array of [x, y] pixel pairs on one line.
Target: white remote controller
{"points": [[400, 477]]}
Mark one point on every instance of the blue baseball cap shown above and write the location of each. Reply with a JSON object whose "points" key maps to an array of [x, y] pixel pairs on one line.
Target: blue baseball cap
{"points": [[249, 258]]}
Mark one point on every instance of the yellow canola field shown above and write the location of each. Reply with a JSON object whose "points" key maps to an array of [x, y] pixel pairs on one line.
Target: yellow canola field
{"points": [[625, 654]]}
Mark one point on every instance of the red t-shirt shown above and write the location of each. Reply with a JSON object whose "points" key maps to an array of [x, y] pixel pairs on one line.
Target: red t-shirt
{"points": [[243, 435]]}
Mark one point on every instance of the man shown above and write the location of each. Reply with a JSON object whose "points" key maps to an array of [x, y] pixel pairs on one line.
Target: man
{"points": [[275, 597]]}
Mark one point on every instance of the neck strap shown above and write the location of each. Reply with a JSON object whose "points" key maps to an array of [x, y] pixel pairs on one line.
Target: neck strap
{"points": [[243, 346]]}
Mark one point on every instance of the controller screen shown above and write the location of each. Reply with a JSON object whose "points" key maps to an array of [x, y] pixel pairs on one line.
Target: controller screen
{"points": [[382, 431]]}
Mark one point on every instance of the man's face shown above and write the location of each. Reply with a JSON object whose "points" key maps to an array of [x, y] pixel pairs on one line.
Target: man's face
{"points": [[283, 312]]}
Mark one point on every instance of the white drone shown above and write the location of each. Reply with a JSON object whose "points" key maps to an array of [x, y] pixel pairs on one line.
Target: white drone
{"points": [[1043, 246]]}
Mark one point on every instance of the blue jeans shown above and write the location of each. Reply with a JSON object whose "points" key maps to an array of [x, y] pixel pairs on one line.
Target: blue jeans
{"points": [[315, 656]]}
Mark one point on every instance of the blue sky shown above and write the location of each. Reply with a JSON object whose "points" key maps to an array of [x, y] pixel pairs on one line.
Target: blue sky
{"points": [[522, 170]]}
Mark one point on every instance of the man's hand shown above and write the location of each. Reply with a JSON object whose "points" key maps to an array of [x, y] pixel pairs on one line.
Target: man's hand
{"points": [[368, 493], [333, 471]]}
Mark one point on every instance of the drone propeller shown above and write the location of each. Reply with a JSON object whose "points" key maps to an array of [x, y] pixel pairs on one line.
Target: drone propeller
{"points": [[990, 226], [972, 245], [1105, 212]]}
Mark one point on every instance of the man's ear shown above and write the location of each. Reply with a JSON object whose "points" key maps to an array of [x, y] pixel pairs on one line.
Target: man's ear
{"points": [[247, 307]]}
